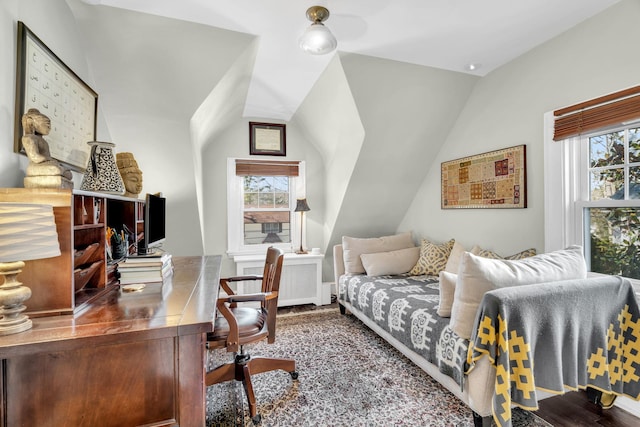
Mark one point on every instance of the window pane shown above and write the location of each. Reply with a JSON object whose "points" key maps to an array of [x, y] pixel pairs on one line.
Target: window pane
{"points": [[634, 182], [607, 184], [634, 145], [282, 200], [266, 200], [266, 227], [615, 248], [606, 150], [281, 184], [250, 200], [251, 183]]}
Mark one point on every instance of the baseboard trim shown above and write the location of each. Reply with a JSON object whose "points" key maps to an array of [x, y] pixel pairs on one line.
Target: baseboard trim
{"points": [[629, 405]]}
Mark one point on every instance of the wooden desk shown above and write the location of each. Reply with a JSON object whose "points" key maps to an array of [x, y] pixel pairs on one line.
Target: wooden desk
{"points": [[130, 359]]}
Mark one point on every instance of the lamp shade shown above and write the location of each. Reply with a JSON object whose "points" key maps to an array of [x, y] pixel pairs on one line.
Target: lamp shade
{"points": [[27, 232], [302, 206], [318, 40]]}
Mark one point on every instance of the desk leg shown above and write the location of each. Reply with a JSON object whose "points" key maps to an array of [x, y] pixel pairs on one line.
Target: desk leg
{"points": [[191, 393]]}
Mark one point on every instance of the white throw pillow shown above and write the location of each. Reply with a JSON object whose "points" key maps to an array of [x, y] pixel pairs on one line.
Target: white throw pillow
{"points": [[447, 291], [392, 262], [353, 247], [455, 257], [478, 275]]}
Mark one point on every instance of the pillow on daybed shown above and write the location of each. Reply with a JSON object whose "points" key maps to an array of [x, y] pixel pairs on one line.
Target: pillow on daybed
{"points": [[392, 262], [433, 258], [353, 247], [455, 257], [447, 290], [478, 275], [485, 253]]}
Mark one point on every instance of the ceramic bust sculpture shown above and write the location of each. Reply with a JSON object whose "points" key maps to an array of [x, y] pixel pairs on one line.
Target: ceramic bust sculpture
{"points": [[131, 174], [43, 171]]}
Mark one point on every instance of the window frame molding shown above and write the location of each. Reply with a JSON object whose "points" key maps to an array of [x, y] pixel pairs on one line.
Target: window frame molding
{"points": [[235, 242], [566, 191]]}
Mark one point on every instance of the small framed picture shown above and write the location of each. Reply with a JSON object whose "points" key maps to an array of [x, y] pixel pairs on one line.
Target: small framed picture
{"points": [[267, 139]]}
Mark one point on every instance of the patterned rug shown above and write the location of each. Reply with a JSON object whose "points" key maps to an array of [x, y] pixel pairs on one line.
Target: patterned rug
{"points": [[348, 377]]}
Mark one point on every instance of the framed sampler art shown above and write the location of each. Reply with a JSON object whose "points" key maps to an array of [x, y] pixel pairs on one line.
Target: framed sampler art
{"points": [[45, 83], [497, 179], [267, 139]]}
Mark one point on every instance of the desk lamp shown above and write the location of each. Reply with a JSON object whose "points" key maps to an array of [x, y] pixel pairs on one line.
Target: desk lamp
{"points": [[27, 232], [302, 207]]}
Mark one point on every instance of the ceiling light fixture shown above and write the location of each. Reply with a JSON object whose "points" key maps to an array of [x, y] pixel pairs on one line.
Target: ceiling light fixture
{"points": [[472, 66], [317, 39]]}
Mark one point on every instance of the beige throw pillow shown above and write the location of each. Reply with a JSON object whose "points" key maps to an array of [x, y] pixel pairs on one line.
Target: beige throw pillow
{"points": [[353, 247], [478, 275], [392, 262], [433, 258], [455, 257], [447, 290]]}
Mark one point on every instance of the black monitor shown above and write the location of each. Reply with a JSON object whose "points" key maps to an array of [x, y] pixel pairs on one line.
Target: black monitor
{"points": [[154, 224]]}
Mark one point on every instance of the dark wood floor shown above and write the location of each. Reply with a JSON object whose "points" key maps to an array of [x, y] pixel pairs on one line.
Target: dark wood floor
{"points": [[575, 410]]}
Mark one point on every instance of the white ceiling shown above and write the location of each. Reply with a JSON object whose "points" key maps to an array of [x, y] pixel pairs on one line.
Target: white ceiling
{"points": [[447, 34]]}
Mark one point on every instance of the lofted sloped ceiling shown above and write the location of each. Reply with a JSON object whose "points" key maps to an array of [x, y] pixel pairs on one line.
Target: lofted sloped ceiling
{"points": [[441, 34]]}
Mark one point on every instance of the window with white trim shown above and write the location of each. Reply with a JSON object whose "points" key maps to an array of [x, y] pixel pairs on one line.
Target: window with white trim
{"points": [[592, 187], [261, 198], [610, 211]]}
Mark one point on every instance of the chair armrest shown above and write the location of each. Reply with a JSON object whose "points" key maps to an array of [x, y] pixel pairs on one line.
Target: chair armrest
{"points": [[224, 282], [242, 278], [259, 296]]}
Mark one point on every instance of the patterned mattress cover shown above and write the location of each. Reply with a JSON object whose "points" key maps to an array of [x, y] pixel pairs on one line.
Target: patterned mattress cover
{"points": [[405, 306]]}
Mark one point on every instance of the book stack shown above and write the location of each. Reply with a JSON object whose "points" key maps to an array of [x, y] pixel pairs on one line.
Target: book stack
{"points": [[145, 269]]}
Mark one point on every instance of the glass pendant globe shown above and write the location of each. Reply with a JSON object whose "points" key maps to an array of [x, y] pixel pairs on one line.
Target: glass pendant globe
{"points": [[318, 40]]}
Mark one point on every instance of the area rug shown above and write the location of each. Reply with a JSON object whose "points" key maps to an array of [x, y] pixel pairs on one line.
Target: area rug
{"points": [[348, 376]]}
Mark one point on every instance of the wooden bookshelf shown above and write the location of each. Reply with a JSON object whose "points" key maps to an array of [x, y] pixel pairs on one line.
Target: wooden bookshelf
{"points": [[83, 272]]}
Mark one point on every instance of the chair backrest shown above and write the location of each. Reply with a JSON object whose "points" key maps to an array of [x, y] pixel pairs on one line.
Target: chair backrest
{"points": [[272, 270], [271, 283]]}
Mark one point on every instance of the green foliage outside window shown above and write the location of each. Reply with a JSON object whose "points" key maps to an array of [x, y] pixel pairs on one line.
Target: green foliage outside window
{"points": [[615, 241], [615, 175]]}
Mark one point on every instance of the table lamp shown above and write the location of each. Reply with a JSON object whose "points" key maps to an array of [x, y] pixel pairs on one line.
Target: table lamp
{"points": [[302, 207], [27, 232]]}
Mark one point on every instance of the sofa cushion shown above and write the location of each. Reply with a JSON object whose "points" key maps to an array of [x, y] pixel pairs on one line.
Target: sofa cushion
{"points": [[453, 263], [477, 250], [447, 290], [353, 247], [433, 258], [478, 275], [392, 262]]}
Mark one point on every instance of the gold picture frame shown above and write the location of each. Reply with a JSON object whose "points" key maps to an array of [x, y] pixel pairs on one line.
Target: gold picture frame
{"points": [[267, 139], [496, 179], [44, 82]]}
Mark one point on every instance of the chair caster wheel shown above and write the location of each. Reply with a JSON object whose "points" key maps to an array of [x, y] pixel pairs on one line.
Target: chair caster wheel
{"points": [[294, 375], [256, 420]]}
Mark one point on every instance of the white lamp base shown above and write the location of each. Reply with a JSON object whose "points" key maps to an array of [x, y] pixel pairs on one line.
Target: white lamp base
{"points": [[12, 296]]}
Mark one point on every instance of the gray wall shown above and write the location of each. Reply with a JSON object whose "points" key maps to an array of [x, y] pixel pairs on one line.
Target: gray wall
{"points": [[506, 108]]}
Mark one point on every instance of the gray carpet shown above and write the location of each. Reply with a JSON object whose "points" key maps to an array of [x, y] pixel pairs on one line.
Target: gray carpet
{"points": [[348, 377]]}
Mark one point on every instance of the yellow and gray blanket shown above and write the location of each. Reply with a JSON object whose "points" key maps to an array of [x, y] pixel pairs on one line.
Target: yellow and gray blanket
{"points": [[590, 336]]}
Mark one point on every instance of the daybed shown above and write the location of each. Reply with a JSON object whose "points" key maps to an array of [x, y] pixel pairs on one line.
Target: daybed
{"points": [[580, 331]]}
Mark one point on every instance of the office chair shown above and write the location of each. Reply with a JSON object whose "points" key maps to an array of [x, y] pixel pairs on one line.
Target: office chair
{"points": [[245, 325]]}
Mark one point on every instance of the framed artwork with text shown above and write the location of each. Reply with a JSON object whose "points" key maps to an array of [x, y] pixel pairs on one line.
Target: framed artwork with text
{"points": [[497, 179], [267, 139], [45, 83]]}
